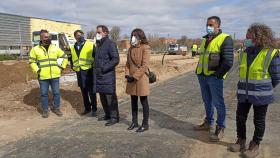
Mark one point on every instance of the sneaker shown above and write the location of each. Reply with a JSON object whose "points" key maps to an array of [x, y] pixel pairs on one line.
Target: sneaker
{"points": [[45, 114], [205, 126], [57, 112], [239, 146], [218, 134], [252, 151]]}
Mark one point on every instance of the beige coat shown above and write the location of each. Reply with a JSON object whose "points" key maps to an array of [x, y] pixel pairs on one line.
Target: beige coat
{"points": [[141, 56]]}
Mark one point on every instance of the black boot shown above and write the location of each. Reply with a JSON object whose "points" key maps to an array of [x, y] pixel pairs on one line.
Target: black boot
{"points": [[104, 118], [93, 113], [133, 125], [112, 122], [85, 112], [142, 128]]}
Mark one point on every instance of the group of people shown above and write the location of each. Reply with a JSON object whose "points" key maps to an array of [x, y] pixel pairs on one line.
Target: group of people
{"points": [[95, 66], [259, 73]]}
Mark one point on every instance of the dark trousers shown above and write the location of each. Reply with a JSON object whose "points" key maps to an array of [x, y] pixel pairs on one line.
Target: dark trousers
{"points": [[134, 107], [85, 81], [110, 105], [193, 53], [259, 120], [89, 99]]}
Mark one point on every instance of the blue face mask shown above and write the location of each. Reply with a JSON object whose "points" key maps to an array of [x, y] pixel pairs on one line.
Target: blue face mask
{"points": [[210, 30], [248, 43]]}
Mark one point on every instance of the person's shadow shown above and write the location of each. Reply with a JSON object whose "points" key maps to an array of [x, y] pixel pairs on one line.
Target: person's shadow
{"points": [[73, 97], [180, 127]]}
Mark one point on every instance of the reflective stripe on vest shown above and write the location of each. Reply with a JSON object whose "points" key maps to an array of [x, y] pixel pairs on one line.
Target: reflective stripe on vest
{"points": [[85, 60], [47, 61], [256, 93], [213, 47]]}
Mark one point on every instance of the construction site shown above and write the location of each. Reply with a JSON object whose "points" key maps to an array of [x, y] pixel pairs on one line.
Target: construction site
{"points": [[176, 104]]}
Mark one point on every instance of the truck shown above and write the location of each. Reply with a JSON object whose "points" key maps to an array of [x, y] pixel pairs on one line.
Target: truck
{"points": [[61, 40], [177, 49]]}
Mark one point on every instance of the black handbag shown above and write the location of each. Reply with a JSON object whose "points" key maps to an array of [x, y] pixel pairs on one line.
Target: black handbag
{"points": [[151, 75]]}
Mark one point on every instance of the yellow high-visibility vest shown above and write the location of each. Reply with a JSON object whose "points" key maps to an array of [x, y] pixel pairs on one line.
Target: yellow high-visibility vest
{"points": [[85, 59], [256, 77], [194, 48], [213, 47], [44, 63]]}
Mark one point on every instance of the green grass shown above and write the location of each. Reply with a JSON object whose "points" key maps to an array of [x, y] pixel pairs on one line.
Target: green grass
{"points": [[8, 57]]}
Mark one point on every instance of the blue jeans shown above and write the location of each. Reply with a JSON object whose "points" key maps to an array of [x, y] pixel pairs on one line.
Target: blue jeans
{"points": [[44, 89], [212, 95]]}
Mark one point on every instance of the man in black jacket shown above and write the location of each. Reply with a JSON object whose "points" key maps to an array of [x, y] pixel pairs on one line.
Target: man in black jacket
{"points": [[106, 59], [215, 61]]}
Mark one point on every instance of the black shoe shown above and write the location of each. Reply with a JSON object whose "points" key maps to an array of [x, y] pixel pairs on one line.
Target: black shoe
{"points": [[85, 112], [57, 112], [142, 128], [45, 114], [104, 118], [94, 114], [112, 122], [132, 126]]}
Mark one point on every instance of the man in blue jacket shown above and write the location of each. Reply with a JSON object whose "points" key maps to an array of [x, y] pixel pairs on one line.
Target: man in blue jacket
{"points": [[106, 59]]}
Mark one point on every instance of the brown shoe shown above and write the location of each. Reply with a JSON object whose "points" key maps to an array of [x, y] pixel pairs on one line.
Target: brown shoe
{"points": [[57, 112], [218, 134], [45, 114], [205, 126], [239, 146], [252, 151]]}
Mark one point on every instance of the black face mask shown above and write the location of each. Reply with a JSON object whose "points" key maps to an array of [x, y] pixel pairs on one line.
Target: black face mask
{"points": [[81, 39], [46, 42]]}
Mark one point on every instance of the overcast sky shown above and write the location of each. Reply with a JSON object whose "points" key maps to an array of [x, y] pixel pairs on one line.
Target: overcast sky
{"points": [[171, 18]]}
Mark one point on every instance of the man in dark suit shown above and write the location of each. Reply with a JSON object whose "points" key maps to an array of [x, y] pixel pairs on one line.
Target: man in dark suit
{"points": [[106, 59]]}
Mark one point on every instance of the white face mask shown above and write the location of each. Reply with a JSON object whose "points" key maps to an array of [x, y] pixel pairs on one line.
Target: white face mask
{"points": [[134, 41], [98, 37]]}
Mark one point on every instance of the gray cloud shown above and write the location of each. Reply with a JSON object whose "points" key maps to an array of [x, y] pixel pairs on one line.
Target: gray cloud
{"points": [[162, 17]]}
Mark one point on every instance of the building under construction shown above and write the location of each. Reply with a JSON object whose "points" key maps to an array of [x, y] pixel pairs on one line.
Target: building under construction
{"points": [[16, 32]]}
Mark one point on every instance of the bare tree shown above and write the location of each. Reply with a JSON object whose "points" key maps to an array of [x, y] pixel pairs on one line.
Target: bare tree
{"points": [[183, 40], [90, 34], [115, 33], [155, 43]]}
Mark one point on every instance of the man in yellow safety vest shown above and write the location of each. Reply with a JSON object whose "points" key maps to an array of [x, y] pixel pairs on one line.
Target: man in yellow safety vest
{"points": [[43, 61], [215, 60], [82, 64]]}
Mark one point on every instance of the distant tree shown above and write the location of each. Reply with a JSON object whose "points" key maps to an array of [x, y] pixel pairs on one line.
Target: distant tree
{"points": [[115, 33], [90, 34], [155, 43], [183, 40]]}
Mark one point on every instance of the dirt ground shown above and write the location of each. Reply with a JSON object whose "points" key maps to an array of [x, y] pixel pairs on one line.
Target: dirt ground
{"points": [[175, 107], [20, 101]]}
